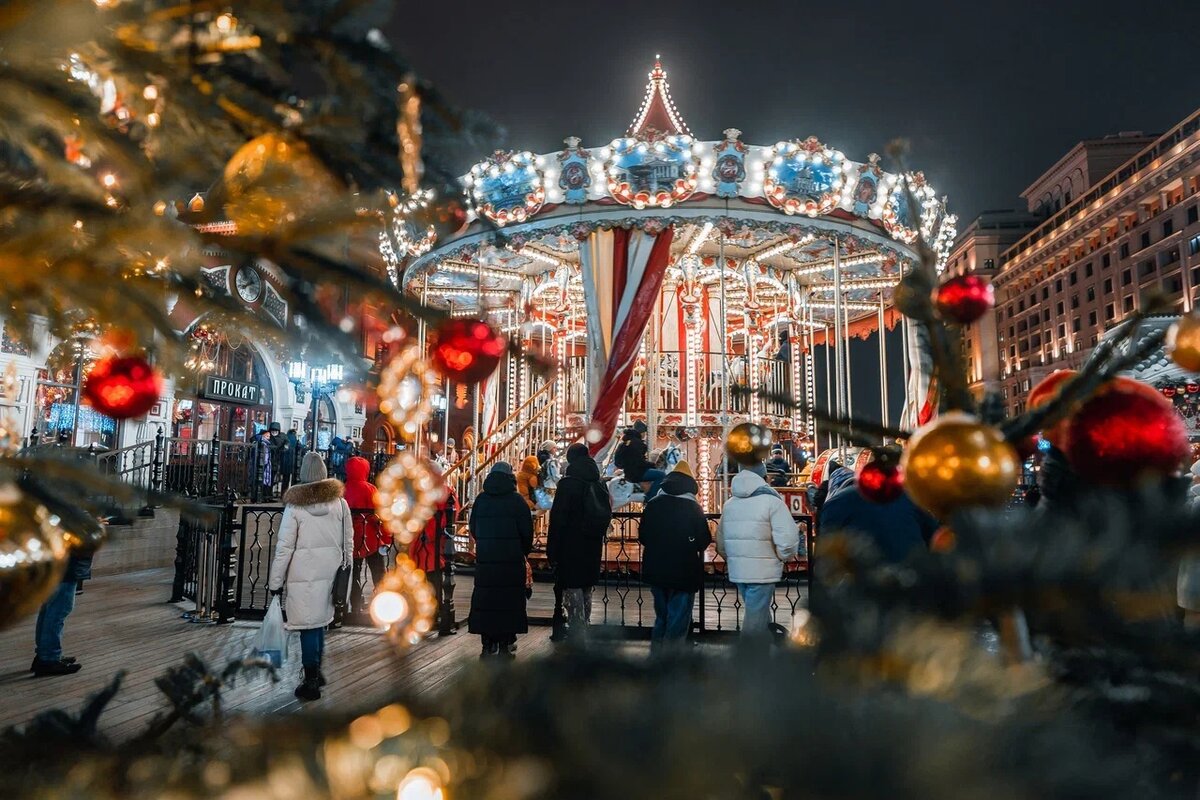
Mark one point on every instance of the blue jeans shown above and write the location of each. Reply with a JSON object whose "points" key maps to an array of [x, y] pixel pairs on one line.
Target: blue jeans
{"points": [[672, 615], [50, 620], [756, 600], [312, 647], [655, 478]]}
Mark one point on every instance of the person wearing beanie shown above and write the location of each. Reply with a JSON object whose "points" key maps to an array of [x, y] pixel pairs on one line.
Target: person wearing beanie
{"points": [[579, 520], [631, 456], [548, 472], [316, 539], [756, 536], [674, 534], [502, 527], [778, 469]]}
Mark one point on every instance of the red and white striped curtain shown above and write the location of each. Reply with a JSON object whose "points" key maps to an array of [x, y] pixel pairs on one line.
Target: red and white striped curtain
{"points": [[622, 274]]}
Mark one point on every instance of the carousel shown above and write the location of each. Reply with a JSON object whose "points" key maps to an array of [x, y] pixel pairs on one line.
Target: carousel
{"points": [[665, 275]]}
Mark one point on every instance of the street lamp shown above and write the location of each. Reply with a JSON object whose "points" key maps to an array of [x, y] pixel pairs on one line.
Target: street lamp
{"points": [[319, 382]]}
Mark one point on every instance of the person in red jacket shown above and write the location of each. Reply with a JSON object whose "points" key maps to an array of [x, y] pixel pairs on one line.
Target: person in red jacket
{"points": [[433, 552], [371, 539]]}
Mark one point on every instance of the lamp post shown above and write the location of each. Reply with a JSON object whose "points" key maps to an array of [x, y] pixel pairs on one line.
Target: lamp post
{"points": [[319, 382]]}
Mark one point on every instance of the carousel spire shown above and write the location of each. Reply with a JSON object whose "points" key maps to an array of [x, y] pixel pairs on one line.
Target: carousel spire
{"points": [[658, 112]]}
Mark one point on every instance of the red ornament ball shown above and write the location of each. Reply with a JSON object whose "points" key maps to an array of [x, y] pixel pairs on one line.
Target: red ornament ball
{"points": [[880, 483], [943, 540], [965, 298], [467, 350], [1122, 435], [123, 387]]}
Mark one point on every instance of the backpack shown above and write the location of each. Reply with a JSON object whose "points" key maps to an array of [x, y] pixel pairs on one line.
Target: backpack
{"points": [[597, 506]]}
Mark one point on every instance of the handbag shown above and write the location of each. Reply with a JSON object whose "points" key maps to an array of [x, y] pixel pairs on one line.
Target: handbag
{"points": [[341, 580]]}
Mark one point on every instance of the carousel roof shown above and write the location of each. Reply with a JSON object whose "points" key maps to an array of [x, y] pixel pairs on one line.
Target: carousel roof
{"points": [[778, 217]]}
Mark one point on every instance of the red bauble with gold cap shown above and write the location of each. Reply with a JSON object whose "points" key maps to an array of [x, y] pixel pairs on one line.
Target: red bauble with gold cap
{"points": [[123, 387], [466, 350], [965, 298]]}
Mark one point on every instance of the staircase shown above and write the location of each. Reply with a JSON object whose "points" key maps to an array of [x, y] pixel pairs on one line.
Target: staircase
{"points": [[516, 437]]}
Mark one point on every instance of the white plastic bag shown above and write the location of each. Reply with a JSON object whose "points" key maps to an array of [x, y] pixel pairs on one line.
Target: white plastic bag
{"points": [[271, 642]]}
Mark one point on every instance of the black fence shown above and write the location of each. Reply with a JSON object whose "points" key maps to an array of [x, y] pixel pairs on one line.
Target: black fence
{"points": [[225, 567]]}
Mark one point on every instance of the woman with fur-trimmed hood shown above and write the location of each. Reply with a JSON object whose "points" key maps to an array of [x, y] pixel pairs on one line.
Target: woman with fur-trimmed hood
{"points": [[316, 538]]}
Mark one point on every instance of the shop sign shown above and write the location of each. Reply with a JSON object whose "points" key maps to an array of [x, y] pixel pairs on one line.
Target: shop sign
{"points": [[231, 391]]}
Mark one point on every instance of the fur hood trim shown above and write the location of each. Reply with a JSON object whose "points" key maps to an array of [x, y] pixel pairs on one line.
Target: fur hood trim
{"points": [[311, 494]]}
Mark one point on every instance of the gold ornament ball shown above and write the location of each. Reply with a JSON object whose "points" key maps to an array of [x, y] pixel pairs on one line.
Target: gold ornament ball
{"points": [[273, 181], [1183, 342], [33, 555], [748, 443], [956, 461]]}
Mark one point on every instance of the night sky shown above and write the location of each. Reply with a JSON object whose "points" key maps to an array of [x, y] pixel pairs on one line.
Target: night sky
{"points": [[990, 94]]}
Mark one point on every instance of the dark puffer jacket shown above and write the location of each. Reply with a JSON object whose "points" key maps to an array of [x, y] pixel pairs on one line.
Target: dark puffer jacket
{"points": [[503, 531], [674, 535], [575, 542]]}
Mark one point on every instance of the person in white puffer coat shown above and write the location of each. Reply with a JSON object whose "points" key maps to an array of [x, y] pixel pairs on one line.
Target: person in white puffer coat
{"points": [[316, 538], [756, 536]]}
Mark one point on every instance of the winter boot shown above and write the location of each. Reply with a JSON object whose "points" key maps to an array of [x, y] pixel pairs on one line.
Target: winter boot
{"points": [[320, 677], [310, 688], [490, 649]]}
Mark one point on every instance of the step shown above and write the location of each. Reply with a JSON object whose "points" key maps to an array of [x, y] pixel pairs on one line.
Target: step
{"points": [[145, 543]]}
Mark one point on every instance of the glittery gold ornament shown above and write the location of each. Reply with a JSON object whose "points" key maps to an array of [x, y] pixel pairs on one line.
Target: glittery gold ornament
{"points": [[748, 443], [273, 181], [407, 493], [404, 603], [956, 461], [86, 543], [33, 555], [406, 389], [1183, 342]]}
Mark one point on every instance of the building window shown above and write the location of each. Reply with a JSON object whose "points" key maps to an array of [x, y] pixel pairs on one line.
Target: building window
{"points": [[1058, 285], [1168, 257], [1127, 277], [1062, 331], [1168, 228], [1127, 303], [989, 263], [1087, 270], [1175, 285], [1108, 287], [1073, 278], [1045, 292], [1106, 260], [1110, 312], [1145, 269], [1035, 340], [1124, 250], [1092, 318], [1045, 315], [1075, 299], [1145, 241], [1193, 214], [1076, 324], [1021, 304], [1194, 245], [1059, 308]]}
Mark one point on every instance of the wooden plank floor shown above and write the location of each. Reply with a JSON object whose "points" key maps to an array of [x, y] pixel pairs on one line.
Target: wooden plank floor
{"points": [[121, 623]]}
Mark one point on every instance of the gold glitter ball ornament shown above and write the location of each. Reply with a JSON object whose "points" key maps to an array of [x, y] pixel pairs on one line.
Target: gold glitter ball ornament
{"points": [[748, 443], [33, 555], [273, 181], [407, 493], [955, 461], [1183, 342]]}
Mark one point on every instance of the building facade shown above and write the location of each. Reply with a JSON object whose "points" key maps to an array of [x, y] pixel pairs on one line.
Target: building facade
{"points": [[977, 250], [1120, 217]]}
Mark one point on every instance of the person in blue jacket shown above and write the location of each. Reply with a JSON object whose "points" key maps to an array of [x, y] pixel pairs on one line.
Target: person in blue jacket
{"points": [[896, 528]]}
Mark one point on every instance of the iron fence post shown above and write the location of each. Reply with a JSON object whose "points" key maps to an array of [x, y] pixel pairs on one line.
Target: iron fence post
{"points": [[158, 461], [214, 466], [182, 534], [224, 600]]}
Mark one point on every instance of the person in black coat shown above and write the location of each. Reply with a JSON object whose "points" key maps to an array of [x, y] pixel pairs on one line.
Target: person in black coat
{"points": [[674, 534], [778, 469], [503, 530], [579, 521]]}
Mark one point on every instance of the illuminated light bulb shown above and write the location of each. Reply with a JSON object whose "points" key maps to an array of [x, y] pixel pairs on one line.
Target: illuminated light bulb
{"points": [[153, 119], [388, 608], [225, 23], [420, 783], [109, 180], [150, 92]]}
